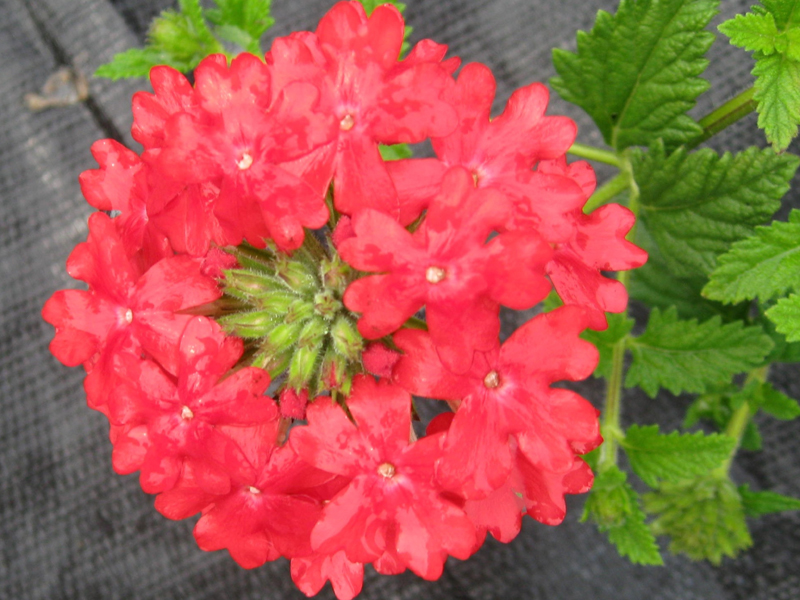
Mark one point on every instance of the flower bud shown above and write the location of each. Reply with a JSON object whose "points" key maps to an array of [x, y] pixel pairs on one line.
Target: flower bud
{"points": [[326, 304], [347, 341], [303, 366], [313, 333], [248, 325]]}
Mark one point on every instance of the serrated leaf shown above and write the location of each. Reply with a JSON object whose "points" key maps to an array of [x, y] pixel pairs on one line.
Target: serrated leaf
{"points": [[751, 438], [786, 316], [757, 504], [637, 73], [395, 151], [614, 506], [763, 266], [752, 32], [776, 403], [783, 11], [249, 17], [777, 92], [687, 356], [783, 351], [695, 205], [674, 457], [135, 62], [618, 327], [704, 518], [656, 286]]}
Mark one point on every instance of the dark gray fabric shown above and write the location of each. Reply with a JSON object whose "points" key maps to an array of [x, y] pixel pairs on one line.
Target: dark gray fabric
{"points": [[72, 529]]}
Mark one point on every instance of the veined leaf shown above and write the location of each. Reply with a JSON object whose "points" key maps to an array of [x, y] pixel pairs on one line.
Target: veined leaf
{"points": [[786, 316], [687, 356], [618, 327], [757, 504], [674, 457], [242, 22], [636, 73], [752, 32], [778, 95], [695, 205], [704, 518], [762, 266], [614, 506]]}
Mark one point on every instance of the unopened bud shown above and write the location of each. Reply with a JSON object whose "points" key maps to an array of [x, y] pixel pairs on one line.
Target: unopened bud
{"points": [[347, 341], [248, 325], [335, 274], [300, 310], [313, 333], [297, 275], [282, 338], [303, 366], [326, 304]]}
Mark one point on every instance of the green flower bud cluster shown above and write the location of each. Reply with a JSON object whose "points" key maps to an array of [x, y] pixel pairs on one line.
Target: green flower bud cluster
{"points": [[291, 316]]}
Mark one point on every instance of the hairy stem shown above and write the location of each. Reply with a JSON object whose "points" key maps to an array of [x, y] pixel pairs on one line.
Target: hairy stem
{"points": [[727, 114], [607, 191], [610, 421], [590, 152], [739, 420]]}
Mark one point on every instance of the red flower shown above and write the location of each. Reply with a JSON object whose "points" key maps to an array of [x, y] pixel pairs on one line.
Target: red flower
{"points": [[121, 184], [390, 503], [507, 393], [124, 311], [597, 244], [311, 572], [499, 153], [273, 505], [373, 97], [447, 267], [180, 420], [235, 138]]}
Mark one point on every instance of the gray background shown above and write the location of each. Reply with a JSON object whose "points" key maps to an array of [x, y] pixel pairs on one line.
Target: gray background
{"points": [[71, 528]]}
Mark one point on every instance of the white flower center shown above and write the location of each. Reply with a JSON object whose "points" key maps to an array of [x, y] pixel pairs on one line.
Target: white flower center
{"points": [[347, 122], [187, 413], [435, 274], [492, 380], [245, 161], [386, 470], [253, 490], [129, 316]]}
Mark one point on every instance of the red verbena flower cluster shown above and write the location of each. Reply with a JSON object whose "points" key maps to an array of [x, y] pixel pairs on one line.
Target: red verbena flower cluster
{"points": [[252, 327]]}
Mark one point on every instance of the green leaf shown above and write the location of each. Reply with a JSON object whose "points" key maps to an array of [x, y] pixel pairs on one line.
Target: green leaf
{"points": [[776, 403], [135, 62], [713, 406], [249, 16], [674, 457], [762, 266], [751, 438], [178, 39], [656, 286], [786, 316], [704, 518], [783, 11], [695, 205], [752, 32], [637, 72], [777, 88], [614, 506], [687, 356], [757, 504], [395, 151], [618, 327]]}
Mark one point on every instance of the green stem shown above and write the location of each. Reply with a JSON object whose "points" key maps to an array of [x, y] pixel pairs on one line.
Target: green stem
{"points": [[415, 323], [607, 191], [724, 116], [739, 419], [610, 422], [604, 156]]}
